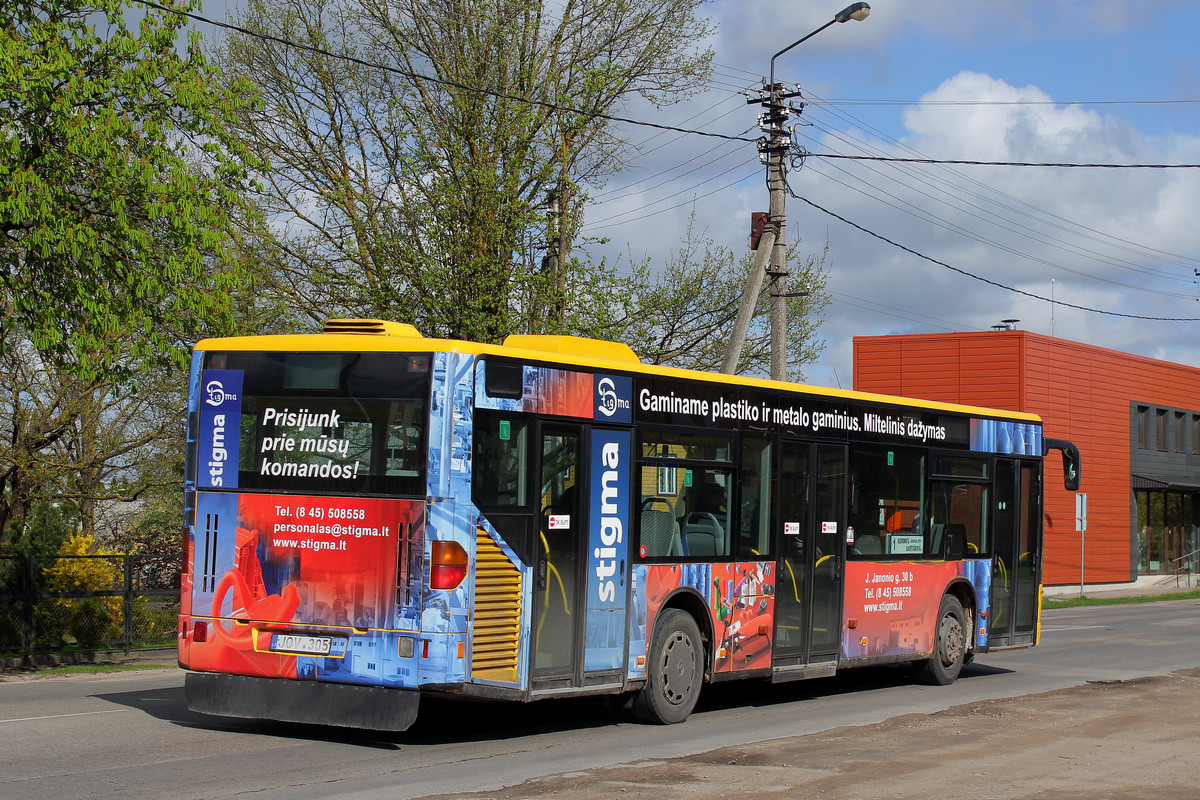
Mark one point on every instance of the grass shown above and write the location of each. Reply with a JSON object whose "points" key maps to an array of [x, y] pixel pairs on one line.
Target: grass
{"points": [[1080, 602], [96, 669], [91, 669]]}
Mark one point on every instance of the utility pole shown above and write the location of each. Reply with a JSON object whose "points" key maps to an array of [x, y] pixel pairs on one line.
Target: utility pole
{"points": [[771, 255], [778, 140]]}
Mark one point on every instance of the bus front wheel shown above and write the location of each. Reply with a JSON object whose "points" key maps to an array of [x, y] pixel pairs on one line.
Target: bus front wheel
{"points": [[950, 646], [674, 670]]}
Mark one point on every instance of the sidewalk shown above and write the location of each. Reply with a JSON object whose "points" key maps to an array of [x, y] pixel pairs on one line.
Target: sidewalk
{"points": [[1144, 586]]}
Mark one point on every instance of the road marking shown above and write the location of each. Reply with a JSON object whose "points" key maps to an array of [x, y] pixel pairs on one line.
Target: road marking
{"points": [[57, 716], [1074, 628]]}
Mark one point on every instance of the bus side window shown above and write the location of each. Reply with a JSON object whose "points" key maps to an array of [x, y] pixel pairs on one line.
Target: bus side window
{"points": [[753, 535], [960, 515], [660, 536], [886, 500], [501, 463], [705, 519]]}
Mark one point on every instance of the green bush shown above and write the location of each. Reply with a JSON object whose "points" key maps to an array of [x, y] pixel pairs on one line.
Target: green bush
{"points": [[92, 621]]}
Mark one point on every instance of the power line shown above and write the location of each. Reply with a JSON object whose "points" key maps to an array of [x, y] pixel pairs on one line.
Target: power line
{"points": [[611, 117], [1002, 222], [1017, 205], [439, 81], [897, 160], [988, 281], [609, 220], [861, 102]]}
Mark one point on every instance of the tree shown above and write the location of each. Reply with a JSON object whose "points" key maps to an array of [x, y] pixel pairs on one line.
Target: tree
{"points": [[81, 440], [419, 191], [117, 180], [683, 314]]}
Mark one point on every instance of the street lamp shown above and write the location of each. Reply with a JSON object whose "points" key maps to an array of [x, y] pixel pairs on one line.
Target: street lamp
{"points": [[855, 11], [772, 247]]}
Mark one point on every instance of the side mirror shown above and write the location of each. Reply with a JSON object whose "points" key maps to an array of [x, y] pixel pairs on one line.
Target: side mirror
{"points": [[1071, 461]]}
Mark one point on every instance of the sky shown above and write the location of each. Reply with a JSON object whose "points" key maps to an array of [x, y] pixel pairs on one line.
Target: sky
{"points": [[1106, 82], [1069, 81]]}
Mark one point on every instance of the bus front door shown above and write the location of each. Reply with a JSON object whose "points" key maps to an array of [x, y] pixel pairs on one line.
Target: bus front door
{"points": [[558, 552], [810, 541], [1015, 573], [579, 628]]}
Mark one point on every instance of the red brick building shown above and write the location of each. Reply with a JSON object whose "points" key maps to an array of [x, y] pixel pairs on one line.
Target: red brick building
{"points": [[1135, 420]]}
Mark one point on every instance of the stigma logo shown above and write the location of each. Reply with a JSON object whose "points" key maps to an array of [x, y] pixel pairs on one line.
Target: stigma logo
{"points": [[216, 393], [612, 527], [609, 400]]}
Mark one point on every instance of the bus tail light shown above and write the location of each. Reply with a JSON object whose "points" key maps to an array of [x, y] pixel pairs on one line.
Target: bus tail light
{"points": [[447, 565]]}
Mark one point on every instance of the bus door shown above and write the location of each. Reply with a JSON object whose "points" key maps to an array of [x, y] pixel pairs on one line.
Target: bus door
{"points": [[579, 629], [810, 531], [1015, 570]]}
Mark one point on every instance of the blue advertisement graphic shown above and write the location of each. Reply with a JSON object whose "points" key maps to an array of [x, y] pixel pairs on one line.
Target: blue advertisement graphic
{"points": [[614, 398], [608, 549], [220, 429], [1006, 438]]}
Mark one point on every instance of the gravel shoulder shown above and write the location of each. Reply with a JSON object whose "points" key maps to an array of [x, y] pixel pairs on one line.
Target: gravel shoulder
{"points": [[1099, 741]]}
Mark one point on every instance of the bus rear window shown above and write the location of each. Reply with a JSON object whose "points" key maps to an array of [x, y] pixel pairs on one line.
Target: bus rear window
{"points": [[340, 423]]}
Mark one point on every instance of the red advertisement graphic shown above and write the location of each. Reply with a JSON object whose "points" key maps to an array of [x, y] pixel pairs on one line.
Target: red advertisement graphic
{"points": [[743, 614], [564, 393], [894, 606], [740, 599], [300, 561]]}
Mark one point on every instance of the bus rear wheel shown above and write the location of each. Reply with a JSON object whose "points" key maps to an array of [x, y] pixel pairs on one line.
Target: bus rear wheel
{"points": [[674, 670], [950, 646]]}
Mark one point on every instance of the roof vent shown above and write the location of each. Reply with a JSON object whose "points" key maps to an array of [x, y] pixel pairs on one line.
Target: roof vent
{"points": [[372, 327], [1006, 325]]}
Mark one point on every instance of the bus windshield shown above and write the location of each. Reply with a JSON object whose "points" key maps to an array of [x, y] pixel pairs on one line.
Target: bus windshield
{"points": [[330, 422]]}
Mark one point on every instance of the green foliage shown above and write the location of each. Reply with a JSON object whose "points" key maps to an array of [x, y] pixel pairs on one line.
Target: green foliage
{"points": [[155, 529], [43, 531], [412, 194], [117, 181], [89, 619]]}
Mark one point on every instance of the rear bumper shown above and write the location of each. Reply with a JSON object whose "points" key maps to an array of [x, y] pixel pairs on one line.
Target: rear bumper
{"points": [[311, 702]]}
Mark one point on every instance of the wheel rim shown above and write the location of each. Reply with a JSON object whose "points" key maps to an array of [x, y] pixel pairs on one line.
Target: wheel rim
{"points": [[679, 667], [951, 639]]}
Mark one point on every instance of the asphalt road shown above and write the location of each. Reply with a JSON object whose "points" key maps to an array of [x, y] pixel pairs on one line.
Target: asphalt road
{"points": [[130, 735]]}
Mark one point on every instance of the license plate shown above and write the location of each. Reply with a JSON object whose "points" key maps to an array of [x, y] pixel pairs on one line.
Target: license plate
{"points": [[298, 643]]}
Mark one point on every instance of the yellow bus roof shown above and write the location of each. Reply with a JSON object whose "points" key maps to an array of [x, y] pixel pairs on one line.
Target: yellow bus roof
{"points": [[564, 351]]}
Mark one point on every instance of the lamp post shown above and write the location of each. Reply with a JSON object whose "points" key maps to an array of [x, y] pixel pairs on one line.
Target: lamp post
{"points": [[771, 256]]}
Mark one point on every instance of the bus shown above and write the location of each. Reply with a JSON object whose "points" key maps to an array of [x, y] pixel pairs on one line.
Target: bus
{"points": [[373, 516]]}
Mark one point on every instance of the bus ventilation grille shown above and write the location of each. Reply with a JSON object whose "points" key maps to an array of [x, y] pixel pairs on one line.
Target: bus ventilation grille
{"points": [[373, 327], [496, 644]]}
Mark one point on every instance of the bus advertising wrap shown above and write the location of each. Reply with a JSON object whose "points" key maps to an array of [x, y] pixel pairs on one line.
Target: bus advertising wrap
{"points": [[315, 578], [220, 429], [608, 549]]}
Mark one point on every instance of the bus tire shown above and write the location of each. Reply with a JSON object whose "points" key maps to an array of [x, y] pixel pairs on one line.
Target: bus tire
{"points": [[949, 648], [674, 670]]}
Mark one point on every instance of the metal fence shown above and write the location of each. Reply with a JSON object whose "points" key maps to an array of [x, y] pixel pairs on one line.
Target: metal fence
{"points": [[115, 602]]}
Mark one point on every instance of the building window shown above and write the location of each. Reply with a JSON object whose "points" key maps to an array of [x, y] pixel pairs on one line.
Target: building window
{"points": [[1196, 434], [1142, 412], [1162, 429], [1178, 431]]}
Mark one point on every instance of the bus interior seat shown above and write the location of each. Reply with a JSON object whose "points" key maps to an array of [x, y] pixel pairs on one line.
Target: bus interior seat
{"points": [[869, 545], [956, 541], [660, 529], [703, 534]]}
